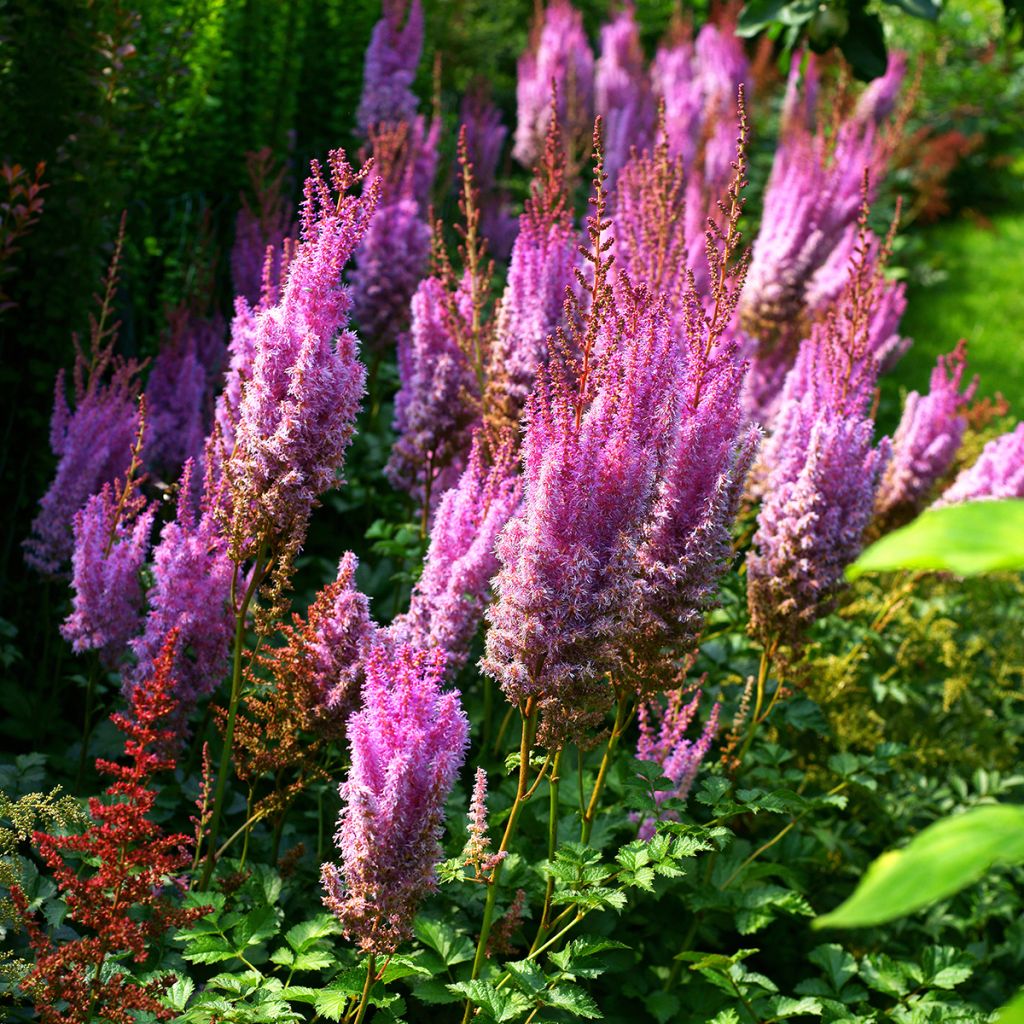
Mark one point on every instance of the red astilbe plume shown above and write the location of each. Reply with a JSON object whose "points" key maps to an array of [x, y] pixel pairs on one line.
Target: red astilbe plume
{"points": [[20, 208], [126, 903]]}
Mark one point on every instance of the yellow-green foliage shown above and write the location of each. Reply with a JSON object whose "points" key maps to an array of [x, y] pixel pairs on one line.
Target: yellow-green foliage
{"points": [[924, 660], [18, 819]]}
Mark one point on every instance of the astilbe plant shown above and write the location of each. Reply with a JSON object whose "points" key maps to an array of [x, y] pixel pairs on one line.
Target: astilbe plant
{"points": [[407, 745], [559, 52], [485, 141], [126, 898], [821, 469], [449, 598], [662, 740], [93, 440], [540, 270], [20, 209], [925, 443], [998, 472], [390, 69], [394, 253], [111, 543]]}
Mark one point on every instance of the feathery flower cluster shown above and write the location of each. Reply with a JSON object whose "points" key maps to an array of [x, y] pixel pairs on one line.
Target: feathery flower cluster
{"points": [[485, 139], [449, 598], [663, 741], [112, 538], [297, 412], [820, 468], [407, 745], [926, 442], [477, 853], [190, 596], [393, 255], [122, 900], [634, 456], [390, 69], [998, 473], [540, 270], [559, 52], [622, 93]]}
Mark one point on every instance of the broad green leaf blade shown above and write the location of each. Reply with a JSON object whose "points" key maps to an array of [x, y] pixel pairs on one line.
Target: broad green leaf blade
{"points": [[941, 860], [968, 539], [1013, 1011], [927, 9]]}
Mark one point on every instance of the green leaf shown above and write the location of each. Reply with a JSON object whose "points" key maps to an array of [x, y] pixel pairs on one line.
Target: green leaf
{"points": [[208, 949], [178, 995], [574, 1000], [756, 15], [927, 9], [836, 964], [500, 1004], [864, 45], [302, 936], [969, 539], [941, 860], [450, 946], [257, 926], [1013, 1011], [527, 975], [332, 1002]]}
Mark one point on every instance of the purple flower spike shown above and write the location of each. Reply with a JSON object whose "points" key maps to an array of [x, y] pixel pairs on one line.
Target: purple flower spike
{"points": [[296, 415], [485, 139], [721, 67], [926, 442], [560, 52], [93, 445], [407, 745], [621, 91], [177, 406], [998, 473], [449, 598], [190, 593], [390, 69], [820, 497], [112, 536], [663, 741], [674, 76]]}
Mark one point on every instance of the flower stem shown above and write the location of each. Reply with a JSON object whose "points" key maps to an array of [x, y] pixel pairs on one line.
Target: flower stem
{"points": [[549, 890], [523, 793], [623, 712], [229, 730], [762, 678], [364, 1000]]}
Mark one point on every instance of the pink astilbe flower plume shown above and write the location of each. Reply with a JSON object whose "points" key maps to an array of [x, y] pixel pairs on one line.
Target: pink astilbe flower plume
{"points": [[191, 597], [485, 140], [449, 598], [623, 531], [112, 538], [390, 68], [622, 93], [820, 469], [926, 442], [407, 745], [540, 271], [663, 741], [559, 53], [297, 410], [395, 251], [998, 473], [477, 853], [93, 440], [810, 210]]}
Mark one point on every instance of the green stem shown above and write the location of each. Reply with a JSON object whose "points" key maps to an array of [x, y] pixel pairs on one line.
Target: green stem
{"points": [[364, 1000], [523, 793], [762, 678], [229, 731], [549, 889], [622, 716]]}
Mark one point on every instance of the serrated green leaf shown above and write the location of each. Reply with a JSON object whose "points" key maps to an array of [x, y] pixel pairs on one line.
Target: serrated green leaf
{"points": [[574, 1000], [208, 949], [257, 926], [838, 965], [333, 1002], [177, 996], [451, 946], [313, 960], [499, 1004], [303, 935], [941, 860], [527, 975]]}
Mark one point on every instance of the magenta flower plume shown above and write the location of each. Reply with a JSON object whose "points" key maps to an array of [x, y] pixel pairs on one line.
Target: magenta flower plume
{"points": [[878, 100], [112, 537], [435, 408], [721, 68], [820, 498], [190, 593], [676, 88], [477, 853], [663, 742], [407, 745], [448, 600], [998, 473], [93, 445], [178, 403], [342, 634], [540, 271], [560, 53], [926, 442], [390, 69], [393, 255], [297, 411], [622, 93]]}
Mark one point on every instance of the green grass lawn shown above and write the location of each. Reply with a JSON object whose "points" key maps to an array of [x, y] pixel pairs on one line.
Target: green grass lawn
{"points": [[980, 298]]}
